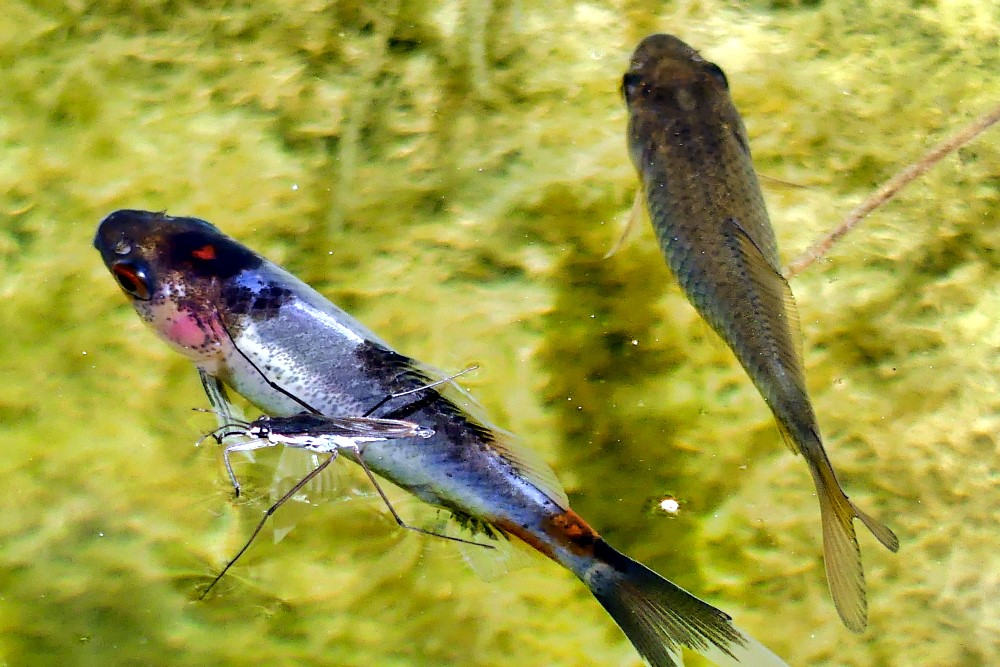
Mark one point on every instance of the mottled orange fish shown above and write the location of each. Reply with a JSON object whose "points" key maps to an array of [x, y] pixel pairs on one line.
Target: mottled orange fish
{"points": [[688, 144]]}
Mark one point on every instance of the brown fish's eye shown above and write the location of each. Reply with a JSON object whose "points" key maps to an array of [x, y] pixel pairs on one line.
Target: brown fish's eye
{"points": [[631, 83], [133, 279], [718, 74]]}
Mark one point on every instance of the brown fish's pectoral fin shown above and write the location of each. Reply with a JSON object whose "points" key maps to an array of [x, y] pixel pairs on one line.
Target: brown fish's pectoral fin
{"points": [[633, 224], [787, 438], [781, 183], [841, 554], [776, 295]]}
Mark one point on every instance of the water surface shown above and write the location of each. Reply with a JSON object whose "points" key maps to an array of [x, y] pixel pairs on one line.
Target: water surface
{"points": [[452, 173]]}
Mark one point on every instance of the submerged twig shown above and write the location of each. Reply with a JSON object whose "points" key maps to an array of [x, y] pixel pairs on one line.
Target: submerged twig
{"points": [[890, 188]]}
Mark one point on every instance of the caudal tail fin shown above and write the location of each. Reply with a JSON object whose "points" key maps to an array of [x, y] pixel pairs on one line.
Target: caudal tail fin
{"points": [[841, 554], [659, 617]]}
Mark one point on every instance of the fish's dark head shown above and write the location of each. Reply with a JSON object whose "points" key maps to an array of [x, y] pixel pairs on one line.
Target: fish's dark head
{"points": [[174, 271], [146, 251], [667, 73]]}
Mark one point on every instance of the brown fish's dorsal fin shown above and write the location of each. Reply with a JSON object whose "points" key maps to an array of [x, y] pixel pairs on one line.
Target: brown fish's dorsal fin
{"points": [[633, 224], [771, 285]]}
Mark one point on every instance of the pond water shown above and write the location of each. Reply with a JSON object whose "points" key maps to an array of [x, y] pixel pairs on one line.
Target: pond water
{"points": [[452, 173]]}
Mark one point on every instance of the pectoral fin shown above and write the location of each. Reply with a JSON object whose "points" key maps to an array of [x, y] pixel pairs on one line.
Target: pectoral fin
{"points": [[226, 412], [632, 224]]}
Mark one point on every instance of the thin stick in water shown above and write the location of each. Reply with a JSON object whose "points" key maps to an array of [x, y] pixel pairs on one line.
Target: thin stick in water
{"points": [[890, 188]]}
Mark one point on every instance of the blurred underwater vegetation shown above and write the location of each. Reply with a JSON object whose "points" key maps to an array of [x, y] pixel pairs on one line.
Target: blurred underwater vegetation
{"points": [[451, 173]]}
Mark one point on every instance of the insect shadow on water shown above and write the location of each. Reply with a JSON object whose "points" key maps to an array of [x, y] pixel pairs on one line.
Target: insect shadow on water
{"points": [[322, 435]]}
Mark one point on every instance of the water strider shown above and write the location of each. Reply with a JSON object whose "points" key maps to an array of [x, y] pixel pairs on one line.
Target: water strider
{"points": [[318, 433], [321, 435], [690, 148], [249, 324]]}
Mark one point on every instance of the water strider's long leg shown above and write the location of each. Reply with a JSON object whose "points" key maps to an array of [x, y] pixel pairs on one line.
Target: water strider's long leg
{"points": [[399, 519], [390, 397], [247, 446], [270, 511], [298, 486]]}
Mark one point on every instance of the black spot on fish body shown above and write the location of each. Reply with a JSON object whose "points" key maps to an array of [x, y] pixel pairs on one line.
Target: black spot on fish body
{"points": [[398, 374], [261, 303], [270, 299], [476, 526], [237, 299]]}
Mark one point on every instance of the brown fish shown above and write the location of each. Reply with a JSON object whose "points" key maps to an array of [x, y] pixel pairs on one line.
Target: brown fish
{"points": [[688, 144]]}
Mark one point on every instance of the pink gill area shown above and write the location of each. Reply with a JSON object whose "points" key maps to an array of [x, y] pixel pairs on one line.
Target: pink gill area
{"points": [[198, 337]]}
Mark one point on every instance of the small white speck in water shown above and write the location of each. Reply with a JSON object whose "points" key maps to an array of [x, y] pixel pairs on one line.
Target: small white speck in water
{"points": [[670, 505]]}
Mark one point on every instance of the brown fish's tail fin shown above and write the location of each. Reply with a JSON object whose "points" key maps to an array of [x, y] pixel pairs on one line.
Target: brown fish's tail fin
{"points": [[841, 554], [659, 617]]}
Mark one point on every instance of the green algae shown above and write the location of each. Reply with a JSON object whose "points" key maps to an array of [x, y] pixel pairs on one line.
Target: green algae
{"points": [[451, 173]]}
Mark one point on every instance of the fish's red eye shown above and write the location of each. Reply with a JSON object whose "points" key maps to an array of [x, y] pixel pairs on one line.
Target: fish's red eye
{"points": [[133, 279], [206, 252]]}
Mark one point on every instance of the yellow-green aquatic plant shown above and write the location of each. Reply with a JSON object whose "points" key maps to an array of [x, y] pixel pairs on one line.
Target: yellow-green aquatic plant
{"points": [[451, 173]]}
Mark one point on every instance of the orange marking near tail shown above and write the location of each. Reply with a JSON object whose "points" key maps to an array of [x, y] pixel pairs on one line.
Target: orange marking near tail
{"points": [[567, 530], [579, 533]]}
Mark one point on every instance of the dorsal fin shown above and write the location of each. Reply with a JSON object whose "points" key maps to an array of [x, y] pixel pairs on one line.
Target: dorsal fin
{"points": [[530, 464], [772, 288], [525, 461]]}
